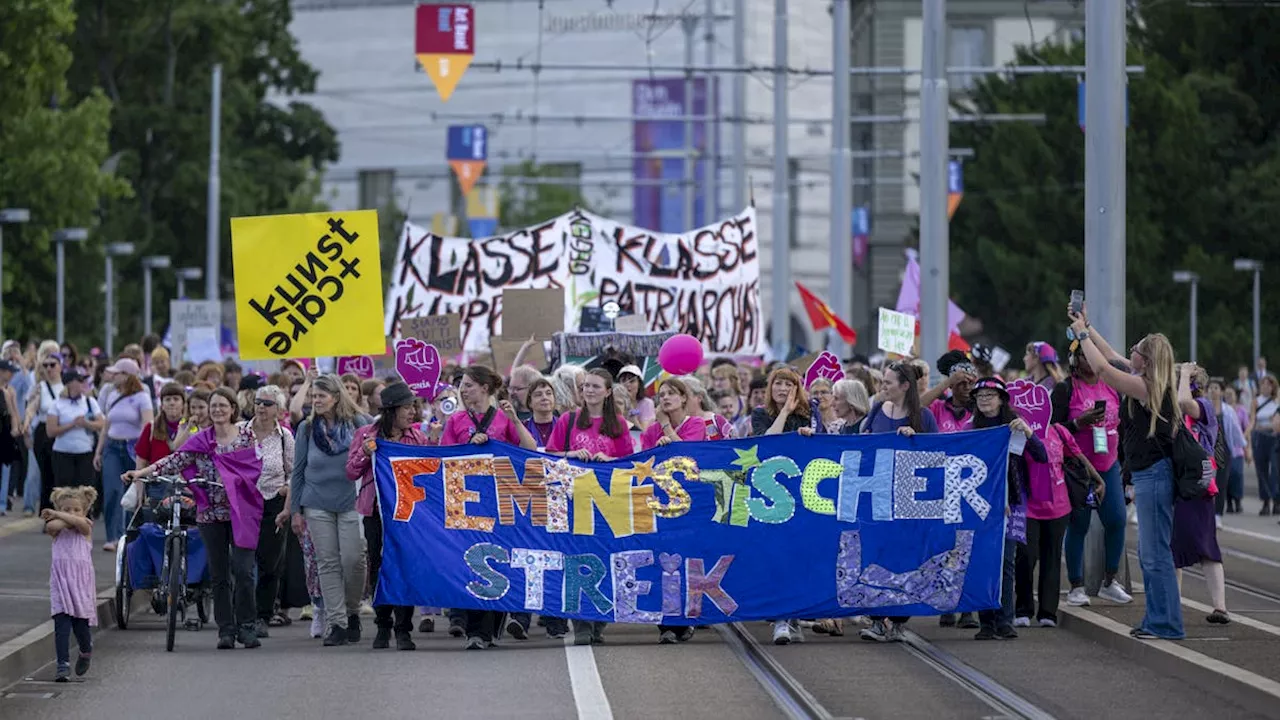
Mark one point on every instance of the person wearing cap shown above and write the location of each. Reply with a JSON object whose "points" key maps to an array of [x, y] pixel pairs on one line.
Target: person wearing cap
{"points": [[397, 423], [127, 411], [1041, 362], [11, 448], [642, 413], [74, 419], [992, 400], [246, 393]]}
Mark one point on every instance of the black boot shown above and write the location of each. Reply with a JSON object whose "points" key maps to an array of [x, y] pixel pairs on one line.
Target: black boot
{"points": [[382, 640], [353, 628], [247, 637], [404, 641], [226, 642]]}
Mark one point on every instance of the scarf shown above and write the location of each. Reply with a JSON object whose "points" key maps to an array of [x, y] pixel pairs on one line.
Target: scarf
{"points": [[332, 439]]}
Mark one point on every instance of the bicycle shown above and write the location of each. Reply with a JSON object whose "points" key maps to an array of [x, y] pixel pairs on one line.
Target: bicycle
{"points": [[175, 512]]}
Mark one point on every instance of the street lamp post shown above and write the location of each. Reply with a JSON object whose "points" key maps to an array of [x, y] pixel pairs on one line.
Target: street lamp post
{"points": [[185, 274], [1255, 267], [149, 263], [8, 216], [114, 250], [1184, 276], [60, 240]]}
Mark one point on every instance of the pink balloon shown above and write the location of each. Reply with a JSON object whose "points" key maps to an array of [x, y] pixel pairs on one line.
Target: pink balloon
{"points": [[680, 354]]}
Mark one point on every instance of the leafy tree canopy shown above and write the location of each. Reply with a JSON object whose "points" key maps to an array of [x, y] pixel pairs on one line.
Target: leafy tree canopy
{"points": [[53, 144], [153, 59], [1203, 174]]}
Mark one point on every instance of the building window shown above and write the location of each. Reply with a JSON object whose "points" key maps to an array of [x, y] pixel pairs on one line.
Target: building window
{"points": [[377, 188], [966, 47]]}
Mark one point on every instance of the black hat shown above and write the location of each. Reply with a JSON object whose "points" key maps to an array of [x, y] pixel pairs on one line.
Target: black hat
{"points": [[72, 375], [7, 366], [396, 395], [252, 381]]}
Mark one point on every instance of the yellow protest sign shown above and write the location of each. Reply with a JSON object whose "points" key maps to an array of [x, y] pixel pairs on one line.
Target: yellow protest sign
{"points": [[308, 285]]}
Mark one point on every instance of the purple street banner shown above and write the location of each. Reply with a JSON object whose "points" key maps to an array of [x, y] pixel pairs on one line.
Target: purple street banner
{"points": [[658, 200], [700, 532]]}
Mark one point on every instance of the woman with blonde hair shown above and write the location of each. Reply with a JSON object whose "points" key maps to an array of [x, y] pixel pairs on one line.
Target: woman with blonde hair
{"points": [[1149, 417], [1041, 362], [321, 493], [44, 393]]}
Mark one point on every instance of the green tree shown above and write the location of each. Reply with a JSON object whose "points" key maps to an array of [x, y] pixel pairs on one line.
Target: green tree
{"points": [[154, 60], [53, 145], [1203, 178]]}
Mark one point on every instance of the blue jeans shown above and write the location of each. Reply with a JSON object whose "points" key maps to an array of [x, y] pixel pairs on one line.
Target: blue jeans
{"points": [[1113, 522], [1235, 480], [1003, 618], [1153, 497], [31, 486], [4, 489], [116, 461]]}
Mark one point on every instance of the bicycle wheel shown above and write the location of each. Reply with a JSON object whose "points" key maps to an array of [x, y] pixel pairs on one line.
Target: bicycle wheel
{"points": [[124, 593], [177, 587]]}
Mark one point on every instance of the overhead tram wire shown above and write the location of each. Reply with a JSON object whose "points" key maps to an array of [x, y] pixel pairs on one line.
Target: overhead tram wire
{"points": [[521, 118], [499, 66]]}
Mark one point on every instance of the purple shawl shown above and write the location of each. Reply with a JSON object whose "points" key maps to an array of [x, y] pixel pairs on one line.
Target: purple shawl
{"points": [[239, 471]]}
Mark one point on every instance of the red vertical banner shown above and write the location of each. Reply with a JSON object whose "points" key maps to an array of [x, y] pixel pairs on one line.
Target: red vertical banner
{"points": [[445, 43]]}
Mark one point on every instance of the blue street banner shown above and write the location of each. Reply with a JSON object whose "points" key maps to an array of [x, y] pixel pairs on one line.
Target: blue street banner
{"points": [[692, 533], [467, 151], [860, 219]]}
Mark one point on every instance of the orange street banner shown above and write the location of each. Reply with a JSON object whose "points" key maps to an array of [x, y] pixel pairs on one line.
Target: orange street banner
{"points": [[308, 285], [467, 151], [445, 44]]}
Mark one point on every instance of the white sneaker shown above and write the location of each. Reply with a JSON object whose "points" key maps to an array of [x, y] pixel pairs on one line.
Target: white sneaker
{"points": [[797, 632], [366, 608], [1078, 597], [1115, 593], [1217, 521], [782, 633], [1022, 622], [1048, 623], [317, 625]]}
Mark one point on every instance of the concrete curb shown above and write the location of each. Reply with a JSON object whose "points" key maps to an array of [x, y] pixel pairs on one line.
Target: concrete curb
{"points": [[1253, 691], [33, 649]]}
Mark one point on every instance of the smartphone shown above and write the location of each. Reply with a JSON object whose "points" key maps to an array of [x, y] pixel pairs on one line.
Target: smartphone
{"points": [[1077, 301], [1100, 406]]}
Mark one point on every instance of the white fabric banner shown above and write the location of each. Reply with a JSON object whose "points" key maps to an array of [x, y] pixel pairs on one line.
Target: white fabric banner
{"points": [[705, 282]]}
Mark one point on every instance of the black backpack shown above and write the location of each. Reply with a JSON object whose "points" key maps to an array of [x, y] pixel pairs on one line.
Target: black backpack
{"points": [[1192, 467]]}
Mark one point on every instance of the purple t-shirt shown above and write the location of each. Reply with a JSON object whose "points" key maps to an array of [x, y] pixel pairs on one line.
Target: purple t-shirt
{"points": [[125, 415]]}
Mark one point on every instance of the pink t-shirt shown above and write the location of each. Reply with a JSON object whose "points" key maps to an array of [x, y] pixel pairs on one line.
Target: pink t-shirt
{"points": [[717, 428], [1083, 396], [947, 420], [691, 429], [1049, 497], [461, 426], [590, 439]]}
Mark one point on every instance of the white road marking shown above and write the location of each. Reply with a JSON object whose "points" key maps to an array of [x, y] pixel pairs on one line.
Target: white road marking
{"points": [[584, 678], [1250, 534]]}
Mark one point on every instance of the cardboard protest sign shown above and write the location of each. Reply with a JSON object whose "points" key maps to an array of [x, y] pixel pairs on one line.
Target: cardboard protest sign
{"points": [[307, 285], [532, 312], [897, 332], [191, 323], [442, 331], [826, 366], [504, 354]]}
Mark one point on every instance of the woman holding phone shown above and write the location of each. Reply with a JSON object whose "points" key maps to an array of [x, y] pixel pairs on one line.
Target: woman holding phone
{"points": [[1090, 410]]}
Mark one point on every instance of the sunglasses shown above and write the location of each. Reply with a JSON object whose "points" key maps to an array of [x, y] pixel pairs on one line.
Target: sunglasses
{"points": [[1136, 350], [260, 402], [51, 364]]}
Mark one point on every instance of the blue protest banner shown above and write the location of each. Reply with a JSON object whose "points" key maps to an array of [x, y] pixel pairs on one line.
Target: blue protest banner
{"points": [[691, 533]]}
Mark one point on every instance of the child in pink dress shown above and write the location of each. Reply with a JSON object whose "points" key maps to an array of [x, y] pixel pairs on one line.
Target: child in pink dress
{"points": [[71, 585]]}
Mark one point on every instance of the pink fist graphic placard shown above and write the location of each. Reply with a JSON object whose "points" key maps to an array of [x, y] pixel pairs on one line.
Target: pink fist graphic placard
{"points": [[1032, 402], [827, 366], [419, 364]]}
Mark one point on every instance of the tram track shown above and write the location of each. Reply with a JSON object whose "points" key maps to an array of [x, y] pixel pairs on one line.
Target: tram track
{"points": [[798, 703]]}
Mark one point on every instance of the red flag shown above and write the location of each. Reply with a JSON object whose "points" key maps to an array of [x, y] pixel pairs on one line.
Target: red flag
{"points": [[821, 316]]}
